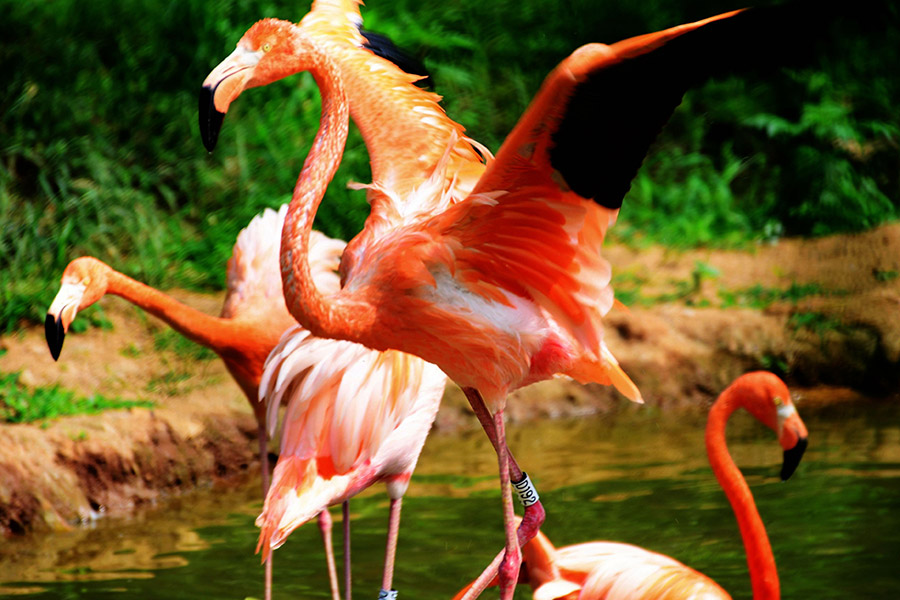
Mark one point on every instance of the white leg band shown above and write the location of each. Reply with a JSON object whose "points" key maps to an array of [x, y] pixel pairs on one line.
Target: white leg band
{"points": [[387, 595], [526, 491]]}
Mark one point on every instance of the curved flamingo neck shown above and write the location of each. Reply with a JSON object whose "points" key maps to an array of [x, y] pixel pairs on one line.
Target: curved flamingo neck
{"points": [[324, 317], [211, 332], [760, 560]]}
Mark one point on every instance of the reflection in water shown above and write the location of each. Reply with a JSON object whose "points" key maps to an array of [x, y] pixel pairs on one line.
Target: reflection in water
{"points": [[637, 476]]}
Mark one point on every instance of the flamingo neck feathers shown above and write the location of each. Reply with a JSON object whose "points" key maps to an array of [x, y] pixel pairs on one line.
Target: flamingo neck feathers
{"points": [[211, 332], [760, 560], [332, 317]]}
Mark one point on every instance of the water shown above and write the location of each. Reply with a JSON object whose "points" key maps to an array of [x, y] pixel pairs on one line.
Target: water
{"points": [[638, 476]]}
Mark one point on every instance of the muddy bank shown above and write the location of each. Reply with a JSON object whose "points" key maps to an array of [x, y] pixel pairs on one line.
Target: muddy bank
{"points": [[821, 313]]}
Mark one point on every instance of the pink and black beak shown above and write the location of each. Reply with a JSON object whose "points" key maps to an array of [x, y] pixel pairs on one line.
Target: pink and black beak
{"points": [[221, 87], [61, 314], [210, 118], [792, 458], [792, 436]]}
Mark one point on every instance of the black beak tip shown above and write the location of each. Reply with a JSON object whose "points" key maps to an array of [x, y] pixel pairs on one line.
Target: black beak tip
{"points": [[792, 459], [210, 118], [55, 334]]}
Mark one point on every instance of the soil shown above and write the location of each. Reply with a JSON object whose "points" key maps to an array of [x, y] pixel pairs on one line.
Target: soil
{"points": [[697, 319]]}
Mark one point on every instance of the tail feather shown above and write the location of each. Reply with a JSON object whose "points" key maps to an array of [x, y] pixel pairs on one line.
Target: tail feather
{"points": [[297, 494]]}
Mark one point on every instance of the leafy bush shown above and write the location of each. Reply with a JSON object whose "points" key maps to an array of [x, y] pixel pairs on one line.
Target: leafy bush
{"points": [[99, 151]]}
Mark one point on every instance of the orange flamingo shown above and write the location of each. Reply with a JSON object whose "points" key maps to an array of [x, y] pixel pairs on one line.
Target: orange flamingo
{"points": [[615, 571], [506, 286], [252, 321]]}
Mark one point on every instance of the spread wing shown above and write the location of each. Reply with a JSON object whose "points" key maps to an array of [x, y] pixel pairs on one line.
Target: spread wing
{"points": [[590, 125]]}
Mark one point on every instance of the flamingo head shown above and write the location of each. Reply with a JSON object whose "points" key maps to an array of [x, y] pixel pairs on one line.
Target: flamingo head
{"points": [[769, 400], [270, 50], [84, 282]]}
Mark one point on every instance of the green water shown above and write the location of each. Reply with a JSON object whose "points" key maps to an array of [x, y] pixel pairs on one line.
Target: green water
{"points": [[638, 476]]}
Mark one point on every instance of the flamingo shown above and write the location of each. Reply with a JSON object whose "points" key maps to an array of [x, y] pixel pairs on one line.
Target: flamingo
{"points": [[506, 286], [252, 321], [616, 571]]}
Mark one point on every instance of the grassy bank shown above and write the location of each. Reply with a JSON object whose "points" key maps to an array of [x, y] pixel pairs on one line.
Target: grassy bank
{"points": [[100, 154]]}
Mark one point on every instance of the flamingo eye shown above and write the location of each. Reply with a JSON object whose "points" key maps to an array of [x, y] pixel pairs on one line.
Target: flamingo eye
{"points": [[778, 401], [266, 47]]}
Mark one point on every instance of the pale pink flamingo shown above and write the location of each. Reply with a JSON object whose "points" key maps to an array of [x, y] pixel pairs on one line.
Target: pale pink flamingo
{"points": [[355, 417], [616, 571], [506, 286]]}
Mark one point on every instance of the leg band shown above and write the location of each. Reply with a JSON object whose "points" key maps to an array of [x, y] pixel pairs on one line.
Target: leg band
{"points": [[526, 491]]}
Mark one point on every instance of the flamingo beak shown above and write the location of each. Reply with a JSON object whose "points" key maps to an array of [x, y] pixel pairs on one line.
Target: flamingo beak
{"points": [[60, 315], [792, 458], [55, 334], [221, 87], [793, 437]]}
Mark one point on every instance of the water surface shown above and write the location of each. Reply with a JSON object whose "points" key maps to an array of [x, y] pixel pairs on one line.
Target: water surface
{"points": [[638, 476]]}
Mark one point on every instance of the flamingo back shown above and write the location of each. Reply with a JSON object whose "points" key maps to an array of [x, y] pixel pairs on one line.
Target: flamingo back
{"points": [[253, 276], [616, 571]]}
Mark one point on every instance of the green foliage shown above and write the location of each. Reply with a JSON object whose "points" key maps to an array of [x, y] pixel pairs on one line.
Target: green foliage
{"points": [[760, 297], [100, 155], [884, 275], [18, 404], [816, 322]]}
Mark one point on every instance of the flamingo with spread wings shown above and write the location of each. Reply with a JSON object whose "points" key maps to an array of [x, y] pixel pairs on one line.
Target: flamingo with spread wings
{"points": [[616, 571], [506, 286]]}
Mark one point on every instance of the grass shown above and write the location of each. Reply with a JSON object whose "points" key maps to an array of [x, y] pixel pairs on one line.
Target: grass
{"points": [[628, 291], [19, 404], [100, 155]]}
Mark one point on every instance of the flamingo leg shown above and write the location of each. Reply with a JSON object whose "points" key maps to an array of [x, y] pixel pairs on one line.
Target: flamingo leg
{"points": [[263, 440], [534, 514], [347, 576], [325, 526], [390, 552], [512, 561]]}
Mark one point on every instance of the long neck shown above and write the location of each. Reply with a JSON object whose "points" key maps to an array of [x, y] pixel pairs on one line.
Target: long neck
{"points": [[761, 562], [211, 332], [304, 301]]}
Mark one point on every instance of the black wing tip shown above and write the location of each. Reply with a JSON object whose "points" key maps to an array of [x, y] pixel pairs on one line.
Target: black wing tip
{"points": [[383, 46], [210, 118], [55, 334], [792, 458]]}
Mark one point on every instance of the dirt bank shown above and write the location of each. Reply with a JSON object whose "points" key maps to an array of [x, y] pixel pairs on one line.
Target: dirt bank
{"points": [[823, 313]]}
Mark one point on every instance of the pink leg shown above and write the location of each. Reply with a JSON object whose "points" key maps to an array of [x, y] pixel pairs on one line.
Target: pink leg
{"points": [[534, 514], [347, 577], [390, 552], [512, 561], [264, 465], [325, 528]]}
